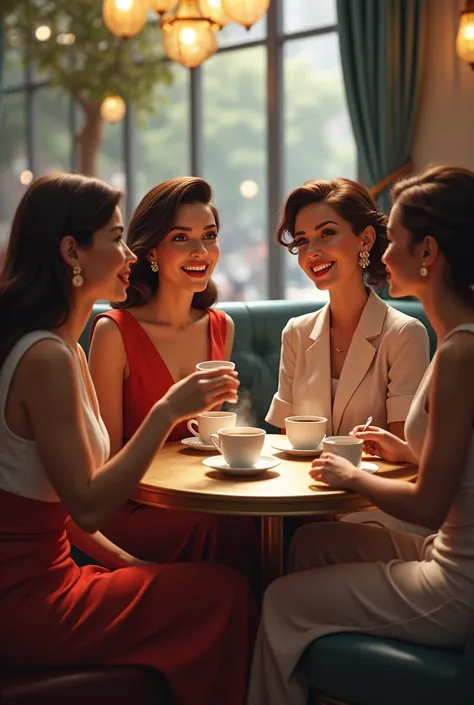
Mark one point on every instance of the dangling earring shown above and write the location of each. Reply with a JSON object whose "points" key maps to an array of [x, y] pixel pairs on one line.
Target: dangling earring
{"points": [[364, 259], [423, 270], [155, 267], [77, 279]]}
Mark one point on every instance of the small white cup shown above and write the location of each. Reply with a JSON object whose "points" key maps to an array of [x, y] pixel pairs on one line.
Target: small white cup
{"points": [[305, 432], [210, 422], [346, 446], [212, 364], [241, 446]]}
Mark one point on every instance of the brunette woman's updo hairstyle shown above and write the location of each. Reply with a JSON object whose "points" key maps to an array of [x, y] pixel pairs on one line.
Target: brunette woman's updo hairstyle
{"points": [[353, 203], [150, 224], [440, 203]]}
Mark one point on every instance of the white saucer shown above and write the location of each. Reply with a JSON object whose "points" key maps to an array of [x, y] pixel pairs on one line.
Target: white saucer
{"points": [[368, 467], [265, 462], [286, 447], [196, 443]]}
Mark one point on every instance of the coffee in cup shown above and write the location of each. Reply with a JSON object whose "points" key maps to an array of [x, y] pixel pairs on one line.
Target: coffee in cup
{"points": [[210, 422], [213, 364], [305, 432], [346, 446], [241, 446]]}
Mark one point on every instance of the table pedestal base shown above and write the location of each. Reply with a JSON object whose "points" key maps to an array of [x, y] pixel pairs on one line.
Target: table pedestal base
{"points": [[271, 549]]}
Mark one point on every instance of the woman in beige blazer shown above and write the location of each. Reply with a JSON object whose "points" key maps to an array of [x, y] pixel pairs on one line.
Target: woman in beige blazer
{"points": [[357, 356]]}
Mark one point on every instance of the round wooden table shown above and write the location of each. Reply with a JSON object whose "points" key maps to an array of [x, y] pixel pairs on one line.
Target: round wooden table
{"points": [[177, 479]]}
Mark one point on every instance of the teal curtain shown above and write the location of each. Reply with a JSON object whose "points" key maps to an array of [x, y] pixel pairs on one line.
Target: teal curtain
{"points": [[381, 44]]}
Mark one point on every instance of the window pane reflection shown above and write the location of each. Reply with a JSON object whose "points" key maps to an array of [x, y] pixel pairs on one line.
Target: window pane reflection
{"points": [[301, 15], [14, 167], [55, 138], [163, 144], [319, 143], [234, 119]]}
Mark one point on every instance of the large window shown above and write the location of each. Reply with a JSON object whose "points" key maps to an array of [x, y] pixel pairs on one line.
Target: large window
{"points": [[262, 116]]}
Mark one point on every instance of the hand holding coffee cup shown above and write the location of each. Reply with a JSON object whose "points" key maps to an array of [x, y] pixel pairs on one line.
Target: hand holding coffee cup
{"points": [[240, 446], [210, 422], [305, 432], [208, 365], [347, 447], [335, 471], [200, 391]]}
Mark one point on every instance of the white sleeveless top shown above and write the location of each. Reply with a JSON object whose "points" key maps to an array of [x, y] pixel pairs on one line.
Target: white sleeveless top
{"points": [[453, 545], [21, 470]]}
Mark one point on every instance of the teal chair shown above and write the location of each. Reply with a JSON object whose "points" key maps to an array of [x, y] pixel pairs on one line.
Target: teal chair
{"points": [[357, 669]]}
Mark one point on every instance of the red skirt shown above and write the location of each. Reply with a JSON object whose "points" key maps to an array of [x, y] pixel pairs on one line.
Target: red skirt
{"points": [[194, 623]]}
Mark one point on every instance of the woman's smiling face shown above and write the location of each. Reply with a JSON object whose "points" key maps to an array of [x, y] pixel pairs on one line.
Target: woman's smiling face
{"points": [[190, 251], [328, 249]]}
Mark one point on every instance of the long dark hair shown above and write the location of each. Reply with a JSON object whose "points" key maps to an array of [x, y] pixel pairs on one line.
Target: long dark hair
{"points": [[352, 202], [150, 224], [440, 203], [35, 284]]}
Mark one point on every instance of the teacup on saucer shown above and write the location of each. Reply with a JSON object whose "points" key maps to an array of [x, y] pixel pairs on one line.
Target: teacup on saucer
{"points": [[240, 446], [305, 432]]}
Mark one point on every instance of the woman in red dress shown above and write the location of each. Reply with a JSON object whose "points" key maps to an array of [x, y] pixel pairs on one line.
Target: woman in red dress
{"points": [[194, 623], [156, 336]]}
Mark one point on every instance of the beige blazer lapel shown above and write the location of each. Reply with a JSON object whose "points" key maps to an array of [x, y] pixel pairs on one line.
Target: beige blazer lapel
{"points": [[359, 356], [318, 366]]}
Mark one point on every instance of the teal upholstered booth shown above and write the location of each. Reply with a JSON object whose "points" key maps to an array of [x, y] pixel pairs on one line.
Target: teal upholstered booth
{"points": [[258, 328], [364, 670]]}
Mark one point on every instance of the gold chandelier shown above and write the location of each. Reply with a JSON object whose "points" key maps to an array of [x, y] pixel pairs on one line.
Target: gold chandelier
{"points": [[246, 12], [465, 38], [214, 10], [124, 18], [189, 34], [189, 38]]}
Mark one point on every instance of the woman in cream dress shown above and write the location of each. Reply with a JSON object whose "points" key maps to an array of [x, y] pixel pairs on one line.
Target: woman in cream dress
{"points": [[371, 580], [357, 356]]}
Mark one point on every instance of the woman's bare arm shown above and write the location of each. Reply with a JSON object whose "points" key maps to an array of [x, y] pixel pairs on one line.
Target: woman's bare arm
{"points": [[107, 365], [100, 548], [49, 387], [445, 451]]}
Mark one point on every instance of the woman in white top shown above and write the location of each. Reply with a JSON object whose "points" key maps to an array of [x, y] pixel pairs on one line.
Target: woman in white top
{"points": [[371, 580], [357, 356], [66, 250]]}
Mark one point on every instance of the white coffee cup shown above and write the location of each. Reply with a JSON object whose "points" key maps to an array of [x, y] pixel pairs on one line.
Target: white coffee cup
{"points": [[305, 432], [212, 364], [346, 446], [210, 422], [240, 446]]}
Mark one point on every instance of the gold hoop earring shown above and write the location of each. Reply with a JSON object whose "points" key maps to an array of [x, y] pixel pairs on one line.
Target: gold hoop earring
{"points": [[155, 267], [77, 279], [364, 259], [423, 270]]}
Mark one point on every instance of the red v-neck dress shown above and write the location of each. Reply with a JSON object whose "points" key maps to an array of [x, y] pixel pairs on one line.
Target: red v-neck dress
{"points": [[164, 535], [149, 377]]}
